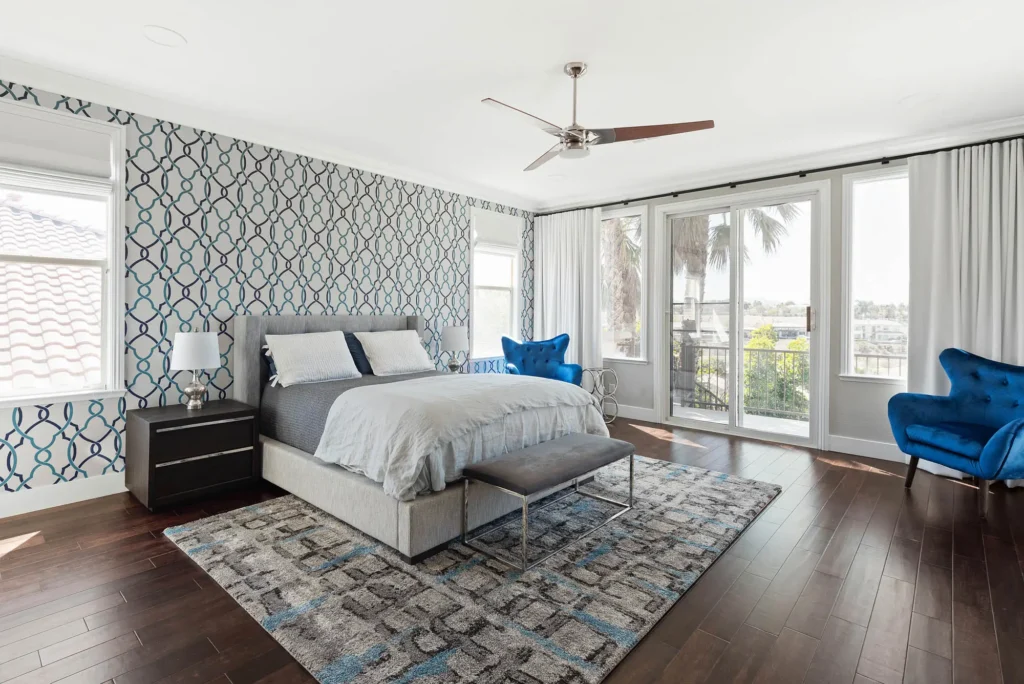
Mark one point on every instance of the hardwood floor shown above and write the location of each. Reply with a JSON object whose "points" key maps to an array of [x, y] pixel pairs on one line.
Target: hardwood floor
{"points": [[844, 578]]}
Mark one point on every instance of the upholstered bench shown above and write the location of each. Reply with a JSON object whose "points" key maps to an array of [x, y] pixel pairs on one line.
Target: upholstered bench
{"points": [[541, 470]]}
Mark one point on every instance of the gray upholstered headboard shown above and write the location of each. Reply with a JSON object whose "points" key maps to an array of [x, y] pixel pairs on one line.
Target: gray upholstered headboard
{"points": [[251, 334]]}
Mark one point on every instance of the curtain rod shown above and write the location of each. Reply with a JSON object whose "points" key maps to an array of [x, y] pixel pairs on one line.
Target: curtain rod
{"points": [[777, 176]]}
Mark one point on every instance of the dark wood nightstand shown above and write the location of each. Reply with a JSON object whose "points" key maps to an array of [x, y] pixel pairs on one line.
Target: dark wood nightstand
{"points": [[173, 454]]}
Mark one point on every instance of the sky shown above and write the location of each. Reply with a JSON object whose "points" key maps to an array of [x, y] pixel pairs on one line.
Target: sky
{"points": [[89, 212], [880, 252]]}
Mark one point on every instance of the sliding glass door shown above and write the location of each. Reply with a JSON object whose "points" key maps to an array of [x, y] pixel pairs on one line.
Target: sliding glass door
{"points": [[775, 319], [743, 288], [701, 308]]}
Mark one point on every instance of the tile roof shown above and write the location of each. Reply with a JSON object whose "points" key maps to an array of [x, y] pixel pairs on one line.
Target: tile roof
{"points": [[27, 232], [50, 314]]}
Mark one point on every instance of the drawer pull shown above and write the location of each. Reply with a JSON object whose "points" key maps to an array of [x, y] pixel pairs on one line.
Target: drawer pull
{"points": [[204, 457], [198, 425]]}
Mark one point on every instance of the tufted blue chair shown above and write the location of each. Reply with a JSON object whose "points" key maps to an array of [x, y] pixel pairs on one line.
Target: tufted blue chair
{"points": [[978, 429], [542, 358]]}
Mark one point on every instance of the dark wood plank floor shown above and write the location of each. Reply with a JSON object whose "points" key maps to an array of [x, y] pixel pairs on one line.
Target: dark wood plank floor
{"points": [[845, 578]]}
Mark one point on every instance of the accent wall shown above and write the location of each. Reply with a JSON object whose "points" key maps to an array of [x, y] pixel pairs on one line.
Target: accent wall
{"points": [[217, 227]]}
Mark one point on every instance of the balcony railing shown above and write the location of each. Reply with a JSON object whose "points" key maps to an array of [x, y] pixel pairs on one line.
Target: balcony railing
{"points": [[885, 365], [776, 382]]}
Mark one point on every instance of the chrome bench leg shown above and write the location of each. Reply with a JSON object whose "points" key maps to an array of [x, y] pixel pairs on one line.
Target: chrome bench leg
{"points": [[631, 480], [465, 508], [526, 514], [524, 564]]}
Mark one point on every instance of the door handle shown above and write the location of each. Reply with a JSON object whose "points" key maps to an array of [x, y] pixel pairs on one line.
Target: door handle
{"points": [[808, 319]]}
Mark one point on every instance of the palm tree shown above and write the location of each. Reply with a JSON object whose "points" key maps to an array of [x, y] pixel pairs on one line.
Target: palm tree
{"points": [[698, 246], [620, 262]]}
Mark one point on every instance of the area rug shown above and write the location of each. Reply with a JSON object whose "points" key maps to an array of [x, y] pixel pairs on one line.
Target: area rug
{"points": [[351, 610]]}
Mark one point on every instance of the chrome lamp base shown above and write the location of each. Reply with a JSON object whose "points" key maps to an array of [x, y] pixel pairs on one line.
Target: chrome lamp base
{"points": [[454, 366], [195, 391]]}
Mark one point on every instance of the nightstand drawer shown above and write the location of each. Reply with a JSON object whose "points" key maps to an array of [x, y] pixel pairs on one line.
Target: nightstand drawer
{"points": [[201, 438], [179, 477]]}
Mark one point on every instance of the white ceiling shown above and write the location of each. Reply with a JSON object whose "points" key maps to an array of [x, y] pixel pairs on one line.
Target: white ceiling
{"points": [[395, 87]]}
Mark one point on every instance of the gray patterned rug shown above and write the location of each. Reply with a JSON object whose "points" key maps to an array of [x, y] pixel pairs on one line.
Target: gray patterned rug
{"points": [[349, 609]]}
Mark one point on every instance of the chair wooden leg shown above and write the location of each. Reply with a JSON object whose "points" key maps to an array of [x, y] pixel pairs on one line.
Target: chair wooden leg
{"points": [[983, 498], [911, 471]]}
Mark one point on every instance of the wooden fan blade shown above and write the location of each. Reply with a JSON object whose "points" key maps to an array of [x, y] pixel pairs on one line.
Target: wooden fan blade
{"points": [[536, 121], [611, 135], [545, 158]]}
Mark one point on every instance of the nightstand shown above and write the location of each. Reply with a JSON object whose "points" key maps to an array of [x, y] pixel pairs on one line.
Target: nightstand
{"points": [[173, 454]]}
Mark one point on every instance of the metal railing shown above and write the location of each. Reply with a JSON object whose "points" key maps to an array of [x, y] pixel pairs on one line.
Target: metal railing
{"points": [[885, 365], [776, 382]]}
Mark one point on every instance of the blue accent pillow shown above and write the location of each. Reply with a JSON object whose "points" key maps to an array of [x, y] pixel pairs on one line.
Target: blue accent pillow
{"points": [[355, 347], [271, 367]]}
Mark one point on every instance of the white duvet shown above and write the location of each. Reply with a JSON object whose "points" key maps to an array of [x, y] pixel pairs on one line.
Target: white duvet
{"points": [[415, 436]]}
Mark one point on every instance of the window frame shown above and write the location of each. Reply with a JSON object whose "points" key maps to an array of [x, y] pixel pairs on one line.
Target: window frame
{"points": [[640, 210], [495, 250], [112, 191], [846, 342]]}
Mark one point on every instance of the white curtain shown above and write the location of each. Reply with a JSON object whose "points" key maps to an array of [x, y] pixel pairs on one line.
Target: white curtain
{"points": [[567, 283], [966, 260]]}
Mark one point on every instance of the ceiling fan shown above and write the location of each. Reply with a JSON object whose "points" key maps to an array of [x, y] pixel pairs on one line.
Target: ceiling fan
{"points": [[575, 141]]}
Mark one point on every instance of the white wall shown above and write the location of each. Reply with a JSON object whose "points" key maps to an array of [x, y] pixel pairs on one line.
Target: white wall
{"points": [[857, 408]]}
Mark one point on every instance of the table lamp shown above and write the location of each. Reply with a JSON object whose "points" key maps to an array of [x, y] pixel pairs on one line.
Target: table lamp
{"points": [[194, 351], [455, 339]]}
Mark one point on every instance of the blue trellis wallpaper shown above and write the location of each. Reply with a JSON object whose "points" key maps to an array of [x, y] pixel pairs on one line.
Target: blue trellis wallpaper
{"points": [[216, 227]]}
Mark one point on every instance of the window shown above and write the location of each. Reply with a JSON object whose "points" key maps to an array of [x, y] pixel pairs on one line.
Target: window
{"points": [[623, 290], [61, 256], [495, 298], [876, 295]]}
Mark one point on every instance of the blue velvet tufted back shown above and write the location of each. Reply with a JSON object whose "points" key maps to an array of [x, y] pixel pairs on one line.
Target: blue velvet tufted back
{"points": [[988, 392], [540, 358]]}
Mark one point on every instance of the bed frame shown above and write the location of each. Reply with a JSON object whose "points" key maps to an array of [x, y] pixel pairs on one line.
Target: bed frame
{"points": [[415, 529]]}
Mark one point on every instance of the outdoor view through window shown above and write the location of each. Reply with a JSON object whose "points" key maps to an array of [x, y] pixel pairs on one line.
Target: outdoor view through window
{"points": [[53, 253], [879, 276], [621, 287], [494, 299], [776, 260]]}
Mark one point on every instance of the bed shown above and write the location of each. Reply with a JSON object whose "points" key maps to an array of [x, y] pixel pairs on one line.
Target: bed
{"points": [[292, 420]]}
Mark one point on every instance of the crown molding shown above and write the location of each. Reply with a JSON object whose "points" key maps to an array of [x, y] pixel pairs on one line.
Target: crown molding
{"points": [[108, 95], [893, 147], [101, 93]]}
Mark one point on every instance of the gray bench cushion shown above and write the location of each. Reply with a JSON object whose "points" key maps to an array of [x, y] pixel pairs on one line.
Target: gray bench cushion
{"points": [[549, 464]]}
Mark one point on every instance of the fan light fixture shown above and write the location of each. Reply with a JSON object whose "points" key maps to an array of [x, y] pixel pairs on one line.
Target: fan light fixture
{"points": [[163, 36], [575, 141]]}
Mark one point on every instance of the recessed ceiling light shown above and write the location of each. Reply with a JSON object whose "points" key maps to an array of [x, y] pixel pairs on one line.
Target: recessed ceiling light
{"points": [[161, 35]]}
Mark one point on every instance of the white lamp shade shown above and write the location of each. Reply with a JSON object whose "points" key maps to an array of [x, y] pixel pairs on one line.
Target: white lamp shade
{"points": [[195, 350], [455, 338]]}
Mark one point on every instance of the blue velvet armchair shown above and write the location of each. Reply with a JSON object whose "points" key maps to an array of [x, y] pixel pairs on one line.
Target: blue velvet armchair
{"points": [[978, 429], [542, 359]]}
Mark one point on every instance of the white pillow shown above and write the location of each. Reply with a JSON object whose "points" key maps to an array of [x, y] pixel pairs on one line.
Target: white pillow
{"points": [[395, 352], [311, 357]]}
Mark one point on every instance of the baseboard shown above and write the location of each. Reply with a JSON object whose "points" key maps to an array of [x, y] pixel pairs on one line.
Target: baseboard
{"points": [[886, 451], [637, 413], [28, 500]]}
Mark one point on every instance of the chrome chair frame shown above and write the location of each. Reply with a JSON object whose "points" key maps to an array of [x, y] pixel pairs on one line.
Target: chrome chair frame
{"points": [[524, 563]]}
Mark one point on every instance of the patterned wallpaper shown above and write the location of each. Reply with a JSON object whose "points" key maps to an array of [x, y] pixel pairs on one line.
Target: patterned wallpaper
{"points": [[217, 227]]}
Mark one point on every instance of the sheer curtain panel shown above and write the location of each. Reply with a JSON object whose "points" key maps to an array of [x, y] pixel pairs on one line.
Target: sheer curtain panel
{"points": [[567, 283]]}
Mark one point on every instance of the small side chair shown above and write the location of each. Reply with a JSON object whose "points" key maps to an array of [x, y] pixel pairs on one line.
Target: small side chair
{"points": [[978, 429], [542, 359]]}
